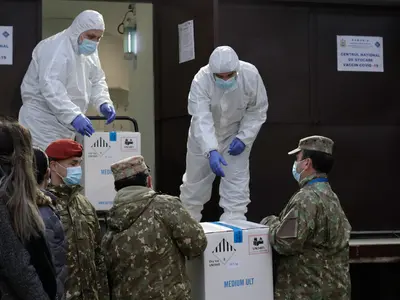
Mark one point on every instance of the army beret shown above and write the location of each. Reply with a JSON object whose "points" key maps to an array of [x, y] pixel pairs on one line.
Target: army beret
{"points": [[64, 149], [314, 143], [129, 167]]}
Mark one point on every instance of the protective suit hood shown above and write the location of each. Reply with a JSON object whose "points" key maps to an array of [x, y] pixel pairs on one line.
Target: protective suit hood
{"points": [[223, 60], [86, 20]]}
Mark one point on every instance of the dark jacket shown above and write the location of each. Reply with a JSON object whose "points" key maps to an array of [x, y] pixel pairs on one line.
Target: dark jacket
{"points": [[18, 278], [42, 260], [55, 237]]}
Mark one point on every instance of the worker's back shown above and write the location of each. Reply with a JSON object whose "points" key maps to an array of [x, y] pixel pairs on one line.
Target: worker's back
{"points": [[149, 236]]}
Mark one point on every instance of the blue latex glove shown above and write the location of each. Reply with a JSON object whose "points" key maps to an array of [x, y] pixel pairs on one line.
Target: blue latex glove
{"points": [[83, 125], [216, 160], [108, 111], [236, 147]]}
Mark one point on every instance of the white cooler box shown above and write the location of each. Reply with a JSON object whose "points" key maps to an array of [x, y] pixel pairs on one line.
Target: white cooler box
{"points": [[100, 151], [237, 264]]}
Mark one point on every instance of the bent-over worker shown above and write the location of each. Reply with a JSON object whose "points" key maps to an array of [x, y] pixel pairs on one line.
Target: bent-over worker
{"points": [[228, 104]]}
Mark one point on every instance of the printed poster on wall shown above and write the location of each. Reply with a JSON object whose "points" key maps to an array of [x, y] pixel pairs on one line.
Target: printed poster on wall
{"points": [[359, 53], [186, 41], [6, 45]]}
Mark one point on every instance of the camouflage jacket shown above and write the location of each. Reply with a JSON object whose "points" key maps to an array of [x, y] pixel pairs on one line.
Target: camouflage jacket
{"points": [[87, 274], [312, 236], [148, 238]]}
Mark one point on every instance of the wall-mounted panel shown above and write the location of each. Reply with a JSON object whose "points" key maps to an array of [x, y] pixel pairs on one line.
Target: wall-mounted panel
{"points": [[25, 17], [173, 80], [176, 78], [276, 40], [172, 153], [365, 174], [363, 98]]}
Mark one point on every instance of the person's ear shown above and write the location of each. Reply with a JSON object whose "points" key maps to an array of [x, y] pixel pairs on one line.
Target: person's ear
{"points": [[53, 166], [309, 163], [80, 39]]}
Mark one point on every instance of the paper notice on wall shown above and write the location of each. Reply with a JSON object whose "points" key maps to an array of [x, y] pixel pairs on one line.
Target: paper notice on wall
{"points": [[359, 53], [186, 41], [6, 45]]}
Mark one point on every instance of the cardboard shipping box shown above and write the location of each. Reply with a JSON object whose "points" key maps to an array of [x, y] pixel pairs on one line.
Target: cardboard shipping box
{"points": [[237, 264]]}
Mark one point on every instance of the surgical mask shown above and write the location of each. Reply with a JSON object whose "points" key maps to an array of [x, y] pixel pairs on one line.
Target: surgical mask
{"points": [[296, 174], [225, 84], [74, 175], [87, 47]]}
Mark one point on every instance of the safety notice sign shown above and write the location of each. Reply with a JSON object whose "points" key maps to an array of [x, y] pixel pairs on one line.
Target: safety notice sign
{"points": [[359, 53], [6, 45]]}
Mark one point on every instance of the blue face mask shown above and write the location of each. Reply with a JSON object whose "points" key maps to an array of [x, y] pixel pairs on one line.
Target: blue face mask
{"points": [[87, 47], [74, 175], [296, 174], [225, 84]]}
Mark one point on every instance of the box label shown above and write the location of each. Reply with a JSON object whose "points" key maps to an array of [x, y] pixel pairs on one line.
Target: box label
{"points": [[238, 282], [100, 146], [129, 144], [223, 252], [258, 244]]}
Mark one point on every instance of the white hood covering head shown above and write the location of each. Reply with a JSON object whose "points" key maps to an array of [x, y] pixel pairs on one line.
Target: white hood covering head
{"points": [[223, 60], [86, 20]]}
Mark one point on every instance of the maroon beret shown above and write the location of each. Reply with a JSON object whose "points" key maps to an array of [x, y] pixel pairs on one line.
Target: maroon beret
{"points": [[64, 149]]}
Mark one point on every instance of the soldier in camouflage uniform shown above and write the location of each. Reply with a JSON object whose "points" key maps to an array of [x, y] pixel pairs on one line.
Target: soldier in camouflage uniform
{"points": [[311, 235], [87, 275], [149, 236]]}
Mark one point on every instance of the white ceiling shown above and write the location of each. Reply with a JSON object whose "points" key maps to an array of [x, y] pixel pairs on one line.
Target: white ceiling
{"points": [[66, 10]]}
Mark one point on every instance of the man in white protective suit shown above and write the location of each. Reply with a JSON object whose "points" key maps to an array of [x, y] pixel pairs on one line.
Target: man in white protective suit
{"points": [[228, 104], [63, 78]]}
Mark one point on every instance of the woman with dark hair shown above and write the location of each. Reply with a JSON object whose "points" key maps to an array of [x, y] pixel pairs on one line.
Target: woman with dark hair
{"points": [[26, 268]]}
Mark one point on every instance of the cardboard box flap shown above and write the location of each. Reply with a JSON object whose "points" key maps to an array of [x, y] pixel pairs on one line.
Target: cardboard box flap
{"points": [[212, 227], [223, 226], [236, 226], [245, 225]]}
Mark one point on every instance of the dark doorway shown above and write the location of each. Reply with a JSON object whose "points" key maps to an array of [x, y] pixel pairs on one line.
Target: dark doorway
{"points": [[26, 19]]}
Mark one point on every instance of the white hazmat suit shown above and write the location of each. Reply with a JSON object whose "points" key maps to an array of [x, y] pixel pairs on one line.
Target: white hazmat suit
{"points": [[218, 117], [60, 83]]}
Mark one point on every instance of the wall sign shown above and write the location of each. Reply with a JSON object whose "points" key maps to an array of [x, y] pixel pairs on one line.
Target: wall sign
{"points": [[359, 53], [6, 45], [186, 41]]}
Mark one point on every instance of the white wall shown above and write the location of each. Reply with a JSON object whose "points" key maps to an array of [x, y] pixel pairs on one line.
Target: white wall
{"points": [[132, 91]]}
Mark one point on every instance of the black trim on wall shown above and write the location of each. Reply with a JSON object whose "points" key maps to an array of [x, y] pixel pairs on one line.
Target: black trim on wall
{"points": [[378, 3]]}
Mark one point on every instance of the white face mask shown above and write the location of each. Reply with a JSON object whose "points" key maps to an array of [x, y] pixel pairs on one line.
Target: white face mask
{"points": [[296, 174]]}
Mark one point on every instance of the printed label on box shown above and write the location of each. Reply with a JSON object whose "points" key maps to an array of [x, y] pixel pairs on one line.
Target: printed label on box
{"points": [[224, 251], [129, 144], [258, 244], [100, 146]]}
